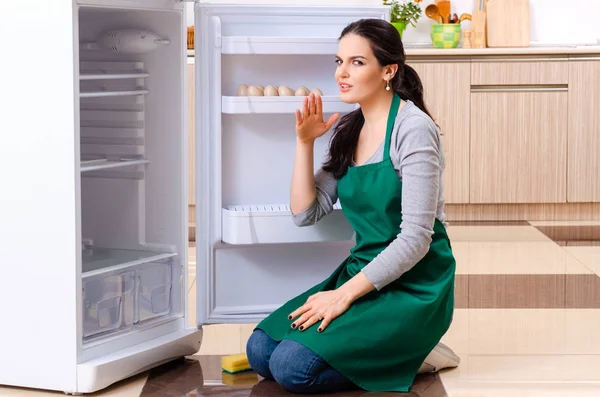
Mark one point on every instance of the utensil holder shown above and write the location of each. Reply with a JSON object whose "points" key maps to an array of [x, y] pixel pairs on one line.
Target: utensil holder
{"points": [[445, 35]]}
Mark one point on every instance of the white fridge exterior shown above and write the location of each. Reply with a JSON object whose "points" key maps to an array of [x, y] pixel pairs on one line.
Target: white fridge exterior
{"points": [[93, 230]]}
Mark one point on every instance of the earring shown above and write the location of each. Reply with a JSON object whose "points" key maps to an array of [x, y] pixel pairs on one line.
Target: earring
{"points": [[387, 85]]}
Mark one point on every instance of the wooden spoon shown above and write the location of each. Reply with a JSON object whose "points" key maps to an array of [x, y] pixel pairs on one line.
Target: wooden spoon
{"points": [[465, 17], [444, 10], [434, 13]]}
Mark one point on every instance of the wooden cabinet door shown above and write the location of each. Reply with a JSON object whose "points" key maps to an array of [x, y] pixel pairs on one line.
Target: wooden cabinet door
{"points": [[583, 180], [518, 145], [446, 87]]}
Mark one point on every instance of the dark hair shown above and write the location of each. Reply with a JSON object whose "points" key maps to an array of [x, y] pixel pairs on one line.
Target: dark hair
{"points": [[387, 47]]}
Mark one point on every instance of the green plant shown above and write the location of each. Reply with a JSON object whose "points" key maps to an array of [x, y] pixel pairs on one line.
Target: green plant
{"points": [[404, 11]]}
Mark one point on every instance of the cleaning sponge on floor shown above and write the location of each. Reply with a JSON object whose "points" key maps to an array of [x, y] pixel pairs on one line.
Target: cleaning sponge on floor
{"points": [[235, 363]]}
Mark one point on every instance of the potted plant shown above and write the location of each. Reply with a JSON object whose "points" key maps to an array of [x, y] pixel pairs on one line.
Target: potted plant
{"points": [[404, 13]]}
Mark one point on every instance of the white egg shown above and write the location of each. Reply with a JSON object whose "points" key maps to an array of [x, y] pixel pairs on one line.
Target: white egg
{"points": [[242, 90], [285, 91], [316, 91], [255, 91], [302, 91], [271, 90]]}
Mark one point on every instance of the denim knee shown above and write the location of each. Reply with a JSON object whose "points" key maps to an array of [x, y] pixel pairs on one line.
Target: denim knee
{"points": [[291, 365], [259, 349]]}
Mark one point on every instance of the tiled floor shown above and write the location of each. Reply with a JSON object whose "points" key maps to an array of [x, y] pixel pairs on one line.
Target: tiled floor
{"points": [[527, 323]]}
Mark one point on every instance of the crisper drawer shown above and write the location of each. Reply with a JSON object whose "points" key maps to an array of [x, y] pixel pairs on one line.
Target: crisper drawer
{"points": [[154, 284], [519, 72], [108, 303]]}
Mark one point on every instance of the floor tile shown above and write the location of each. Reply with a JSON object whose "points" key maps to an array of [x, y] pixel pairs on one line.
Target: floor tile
{"points": [[517, 331], [582, 331], [589, 256], [131, 387], [566, 234], [525, 389], [522, 257], [457, 337]]}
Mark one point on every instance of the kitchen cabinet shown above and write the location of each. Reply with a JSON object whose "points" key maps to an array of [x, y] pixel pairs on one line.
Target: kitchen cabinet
{"points": [[518, 145], [446, 89], [583, 181], [520, 71]]}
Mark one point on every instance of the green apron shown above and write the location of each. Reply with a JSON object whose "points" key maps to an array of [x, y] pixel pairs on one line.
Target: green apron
{"points": [[380, 342]]}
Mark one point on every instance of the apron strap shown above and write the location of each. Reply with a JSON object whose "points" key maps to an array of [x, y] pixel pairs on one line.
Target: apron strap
{"points": [[390, 125]]}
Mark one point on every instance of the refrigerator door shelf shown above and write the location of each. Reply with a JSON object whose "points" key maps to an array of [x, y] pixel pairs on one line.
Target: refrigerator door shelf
{"points": [[268, 224], [278, 45], [279, 104]]}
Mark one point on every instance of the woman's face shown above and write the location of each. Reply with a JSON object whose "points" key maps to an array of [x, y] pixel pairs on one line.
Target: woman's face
{"points": [[358, 74]]}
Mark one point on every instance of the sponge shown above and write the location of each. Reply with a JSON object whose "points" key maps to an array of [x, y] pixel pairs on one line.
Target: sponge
{"points": [[235, 363]]}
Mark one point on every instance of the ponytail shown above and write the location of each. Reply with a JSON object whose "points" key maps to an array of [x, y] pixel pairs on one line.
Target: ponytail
{"points": [[407, 84]]}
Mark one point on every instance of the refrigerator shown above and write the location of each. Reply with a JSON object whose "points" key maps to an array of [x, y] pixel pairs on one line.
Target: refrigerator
{"points": [[94, 160]]}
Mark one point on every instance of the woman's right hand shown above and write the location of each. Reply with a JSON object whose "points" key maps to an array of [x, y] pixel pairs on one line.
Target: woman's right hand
{"points": [[309, 121]]}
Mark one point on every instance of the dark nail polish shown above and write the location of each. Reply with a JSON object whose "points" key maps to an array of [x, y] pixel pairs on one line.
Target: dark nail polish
{"points": [[301, 327], [290, 317], [293, 325], [320, 330]]}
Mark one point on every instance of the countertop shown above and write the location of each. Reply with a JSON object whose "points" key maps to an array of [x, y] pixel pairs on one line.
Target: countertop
{"points": [[427, 50]]}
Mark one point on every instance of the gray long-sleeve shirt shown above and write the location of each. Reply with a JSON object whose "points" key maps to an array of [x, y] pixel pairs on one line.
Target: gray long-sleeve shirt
{"points": [[416, 153]]}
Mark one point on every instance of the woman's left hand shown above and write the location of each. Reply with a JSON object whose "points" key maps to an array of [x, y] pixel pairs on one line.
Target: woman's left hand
{"points": [[323, 306]]}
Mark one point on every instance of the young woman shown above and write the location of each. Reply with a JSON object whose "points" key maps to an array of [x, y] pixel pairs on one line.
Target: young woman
{"points": [[375, 320]]}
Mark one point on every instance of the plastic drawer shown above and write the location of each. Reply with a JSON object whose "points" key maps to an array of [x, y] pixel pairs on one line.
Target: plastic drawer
{"points": [[108, 303], [154, 285]]}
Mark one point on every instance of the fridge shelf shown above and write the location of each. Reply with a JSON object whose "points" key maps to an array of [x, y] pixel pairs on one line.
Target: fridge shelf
{"points": [[105, 164], [100, 260], [100, 94], [278, 45], [268, 224], [111, 75], [278, 104]]}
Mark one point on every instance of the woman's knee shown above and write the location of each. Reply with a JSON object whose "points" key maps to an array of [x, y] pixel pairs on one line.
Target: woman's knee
{"points": [[259, 349], [292, 366]]}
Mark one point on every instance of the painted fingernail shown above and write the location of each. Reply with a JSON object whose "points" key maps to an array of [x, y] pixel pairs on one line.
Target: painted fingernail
{"points": [[290, 317], [320, 330], [293, 325], [301, 327]]}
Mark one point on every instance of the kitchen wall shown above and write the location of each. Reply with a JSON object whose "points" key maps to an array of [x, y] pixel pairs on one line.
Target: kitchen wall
{"points": [[552, 21]]}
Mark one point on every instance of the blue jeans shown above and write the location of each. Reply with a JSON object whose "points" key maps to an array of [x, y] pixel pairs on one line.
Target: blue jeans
{"points": [[295, 367]]}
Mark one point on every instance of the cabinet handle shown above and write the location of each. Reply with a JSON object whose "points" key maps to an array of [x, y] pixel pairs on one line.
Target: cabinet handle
{"points": [[500, 58], [519, 88]]}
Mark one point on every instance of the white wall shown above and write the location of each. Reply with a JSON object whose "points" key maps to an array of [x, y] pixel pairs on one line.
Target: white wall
{"points": [[552, 21]]}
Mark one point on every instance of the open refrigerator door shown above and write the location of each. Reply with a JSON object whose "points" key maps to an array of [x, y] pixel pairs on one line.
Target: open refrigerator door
{"points": [[253, 65]]}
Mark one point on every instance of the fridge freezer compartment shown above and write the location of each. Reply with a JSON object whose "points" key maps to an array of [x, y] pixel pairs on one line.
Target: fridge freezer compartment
{"points": [[278, 45], [279, 104], [108, 303], [267, 224]]}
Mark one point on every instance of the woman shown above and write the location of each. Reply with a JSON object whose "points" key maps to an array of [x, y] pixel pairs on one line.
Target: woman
{"points": [[373, 322]]}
